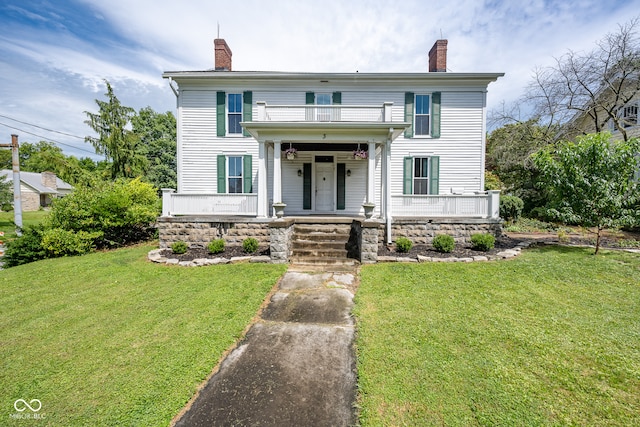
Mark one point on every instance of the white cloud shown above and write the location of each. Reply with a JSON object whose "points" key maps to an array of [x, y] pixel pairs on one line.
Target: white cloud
{"points": [[58, 73]]}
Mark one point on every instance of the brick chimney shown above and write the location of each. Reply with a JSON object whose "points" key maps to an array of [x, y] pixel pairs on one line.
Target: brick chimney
{"points": [[223, 55], [438, 57], [49, 180]]}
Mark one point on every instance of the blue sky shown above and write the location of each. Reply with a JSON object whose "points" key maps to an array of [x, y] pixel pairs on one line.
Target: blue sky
{"points": [[54, 55]]}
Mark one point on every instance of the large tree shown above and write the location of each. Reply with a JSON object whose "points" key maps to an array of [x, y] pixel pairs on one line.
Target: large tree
{"points": [[118, 143], [508, 156], [585, 91], [157, 134], [591, 182]]}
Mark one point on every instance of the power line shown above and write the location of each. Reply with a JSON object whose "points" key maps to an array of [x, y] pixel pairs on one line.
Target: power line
{"points": [[43, 128], [47, 139]]}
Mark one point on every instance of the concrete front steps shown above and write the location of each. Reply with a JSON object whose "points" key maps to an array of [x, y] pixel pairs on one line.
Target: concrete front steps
{"points": [[321, 244]]}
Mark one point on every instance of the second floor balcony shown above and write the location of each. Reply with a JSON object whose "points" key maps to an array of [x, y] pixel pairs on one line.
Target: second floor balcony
{"points": [[325, 113]]}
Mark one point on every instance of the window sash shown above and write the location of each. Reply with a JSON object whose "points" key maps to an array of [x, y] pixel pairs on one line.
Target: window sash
{"points": [[422, 117], [421, 175], [234, 174], [234, 113]]}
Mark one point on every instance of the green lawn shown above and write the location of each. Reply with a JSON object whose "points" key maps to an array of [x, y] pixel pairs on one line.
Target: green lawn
{"points": [[550, 338], [111, 339], [28, 218]]}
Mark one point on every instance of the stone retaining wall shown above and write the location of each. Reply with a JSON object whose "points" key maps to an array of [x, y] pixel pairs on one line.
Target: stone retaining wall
{"points": [[367, 235], [421, 231], [197, 232]]}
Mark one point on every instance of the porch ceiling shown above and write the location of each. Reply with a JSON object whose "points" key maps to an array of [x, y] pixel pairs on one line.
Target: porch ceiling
{"points": [[330, 132]]}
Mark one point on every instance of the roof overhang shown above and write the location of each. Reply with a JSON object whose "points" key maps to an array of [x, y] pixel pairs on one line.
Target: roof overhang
{"points": [[339, 79], [334, 132]]}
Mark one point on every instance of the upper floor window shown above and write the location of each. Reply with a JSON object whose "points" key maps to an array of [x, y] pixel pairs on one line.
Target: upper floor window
{"points": [[234, 114], [629, 115], [422, 114], [324, 114]]}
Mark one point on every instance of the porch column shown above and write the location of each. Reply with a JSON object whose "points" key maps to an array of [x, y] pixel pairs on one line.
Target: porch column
{"points": [[371, 173], [262, 179], [387, 188], [277, 172]]}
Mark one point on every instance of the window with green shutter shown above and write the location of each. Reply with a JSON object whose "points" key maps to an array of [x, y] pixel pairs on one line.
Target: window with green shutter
{"points": [[234, 174], [421, 175], [423, 112]]}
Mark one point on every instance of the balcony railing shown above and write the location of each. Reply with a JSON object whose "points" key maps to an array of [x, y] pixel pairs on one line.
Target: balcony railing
{"points": [[208, 204], [324, 113], [482, 205]]}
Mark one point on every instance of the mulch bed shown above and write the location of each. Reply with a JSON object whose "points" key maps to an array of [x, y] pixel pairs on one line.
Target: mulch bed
{"points": [[460, 251], [229, 252], [507, 241]]}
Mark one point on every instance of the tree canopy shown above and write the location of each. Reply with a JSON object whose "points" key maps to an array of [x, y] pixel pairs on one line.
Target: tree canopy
{"points": [[118, 143], [591, 182]]}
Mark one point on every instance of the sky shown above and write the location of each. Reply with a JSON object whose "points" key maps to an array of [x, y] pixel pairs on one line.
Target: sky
{"points": [[56, 54]]}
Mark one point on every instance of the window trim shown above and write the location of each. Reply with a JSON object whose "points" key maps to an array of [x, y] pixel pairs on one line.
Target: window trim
{"points": [[228, 177], [624, 116], [432, 181], [238, 113], [416, 115]]}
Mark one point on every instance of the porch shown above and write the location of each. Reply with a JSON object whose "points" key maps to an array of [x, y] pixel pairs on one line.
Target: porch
{"points": [[477, 205]]}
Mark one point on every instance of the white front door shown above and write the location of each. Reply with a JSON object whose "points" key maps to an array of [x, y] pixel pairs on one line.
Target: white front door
{"points": [[325, 189]]}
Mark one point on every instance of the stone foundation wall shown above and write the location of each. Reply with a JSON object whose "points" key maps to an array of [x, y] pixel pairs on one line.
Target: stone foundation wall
{"points": [[369, 241], [422, 232], [198, 232], [281, 232]]}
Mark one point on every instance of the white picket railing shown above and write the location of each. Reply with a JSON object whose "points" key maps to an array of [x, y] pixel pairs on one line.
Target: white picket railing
{"points": [[324, 113], [208, 204], [482, 205]]}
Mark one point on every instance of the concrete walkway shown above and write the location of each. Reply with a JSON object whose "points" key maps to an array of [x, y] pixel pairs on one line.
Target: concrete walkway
{"points": [[296, 365]]}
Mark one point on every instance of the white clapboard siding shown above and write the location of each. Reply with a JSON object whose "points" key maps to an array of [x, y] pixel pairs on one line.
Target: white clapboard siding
{"points": [[200, 146], [459, 145], [377, 99]]}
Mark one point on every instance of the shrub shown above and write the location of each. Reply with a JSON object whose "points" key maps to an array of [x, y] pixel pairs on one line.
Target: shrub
{"points": [[26, 248], [483, 242], [250, 245], [511, 207], [179, 247], [216, 246], [403, 244], [124, 211], [444, 243], [60, 242]]}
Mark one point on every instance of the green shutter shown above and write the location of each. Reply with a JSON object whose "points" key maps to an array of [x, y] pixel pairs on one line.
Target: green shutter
{"points": [[306, 186], [341, 186], [407, 182], [310, 98], [434, 181], [247, 174], [408, 113], [435, 115], [221, 129], [336, 98], [222, 173], [247, 109]]}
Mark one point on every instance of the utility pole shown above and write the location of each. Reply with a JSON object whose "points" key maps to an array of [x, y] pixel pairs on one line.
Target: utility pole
{"points": [[17, 199]]}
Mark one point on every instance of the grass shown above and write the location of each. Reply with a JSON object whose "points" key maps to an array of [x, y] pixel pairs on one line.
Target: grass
{"points": [[28, 218], [111, 339], [550, 338]]}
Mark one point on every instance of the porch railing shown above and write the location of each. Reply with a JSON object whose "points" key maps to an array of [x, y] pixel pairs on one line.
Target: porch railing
{"points": [[208, 204], [481, 205], [324, 113]]}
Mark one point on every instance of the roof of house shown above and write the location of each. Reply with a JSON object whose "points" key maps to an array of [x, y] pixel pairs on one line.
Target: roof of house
{"points": [[34, 180]]}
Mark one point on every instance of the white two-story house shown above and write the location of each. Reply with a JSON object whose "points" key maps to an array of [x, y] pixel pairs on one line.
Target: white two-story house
{"points": [[397, 151]]}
